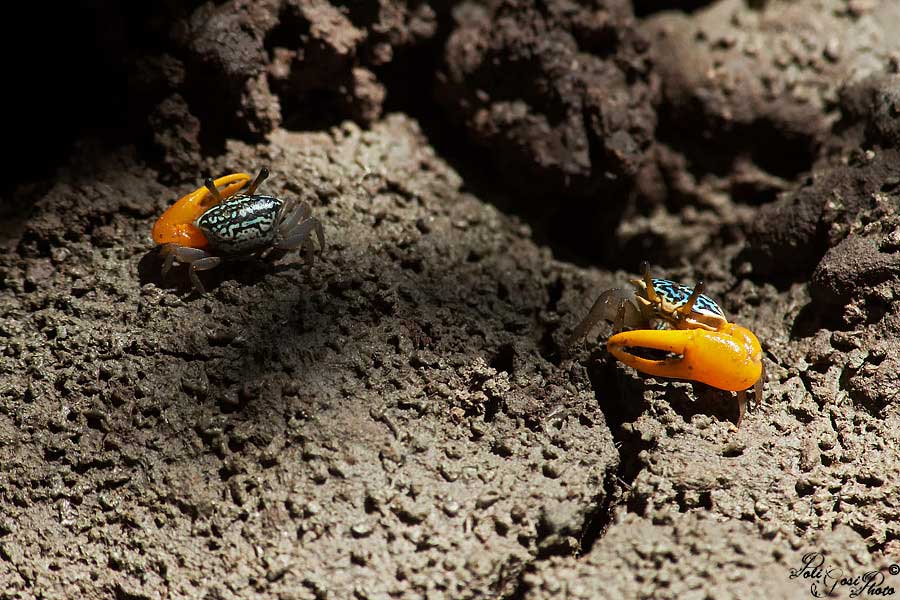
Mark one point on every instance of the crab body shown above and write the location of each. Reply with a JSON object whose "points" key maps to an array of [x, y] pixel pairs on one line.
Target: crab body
{"points": [[689, 326], [242, 224], [209, 225], [672, 298]]}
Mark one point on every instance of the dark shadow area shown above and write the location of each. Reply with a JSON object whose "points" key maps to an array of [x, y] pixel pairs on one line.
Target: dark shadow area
{"points": [[645, 8], [308, 103], [613, 390], [808, 320], [578, 230], [614, 387], [305, 315], [245, 271], [65, 81], [702, 399], [778, 152], [812, 318]]}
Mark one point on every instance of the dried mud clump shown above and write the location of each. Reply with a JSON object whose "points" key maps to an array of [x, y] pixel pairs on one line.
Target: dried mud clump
{"points": [[870, 110], [560, 94], [752, 96], [841, 200], [241, 69], [808, 221], [763, 83]]}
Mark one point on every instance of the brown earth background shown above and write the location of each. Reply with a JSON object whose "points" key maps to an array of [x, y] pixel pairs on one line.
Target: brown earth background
{"points": [[401, 420]]}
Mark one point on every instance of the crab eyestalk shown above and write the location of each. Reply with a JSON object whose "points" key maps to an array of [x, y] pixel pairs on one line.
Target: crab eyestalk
{"points": [[260, 177], [689, 305], [648, 283], [210, 186]]}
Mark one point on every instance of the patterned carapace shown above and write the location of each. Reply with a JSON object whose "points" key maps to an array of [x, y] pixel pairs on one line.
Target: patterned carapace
{"points": [[241, 224], [678, 294]]}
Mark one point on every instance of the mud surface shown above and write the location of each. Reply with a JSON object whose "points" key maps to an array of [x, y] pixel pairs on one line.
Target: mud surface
{"points": [[399, 418]]}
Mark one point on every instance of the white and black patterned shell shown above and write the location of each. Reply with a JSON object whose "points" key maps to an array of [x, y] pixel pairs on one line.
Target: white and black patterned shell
{"points": [[678, 294], [241, 224]]}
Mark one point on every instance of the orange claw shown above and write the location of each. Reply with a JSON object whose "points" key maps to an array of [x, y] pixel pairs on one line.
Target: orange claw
{"points": [[728, 359], [176, 225]]}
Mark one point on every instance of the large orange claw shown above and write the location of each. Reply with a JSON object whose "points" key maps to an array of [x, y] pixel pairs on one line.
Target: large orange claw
{"points": [[176, 225], [728, 359]]}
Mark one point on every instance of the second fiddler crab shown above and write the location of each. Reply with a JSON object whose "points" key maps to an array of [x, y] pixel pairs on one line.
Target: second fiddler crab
{"points": [[701, 344], [216, 223]]}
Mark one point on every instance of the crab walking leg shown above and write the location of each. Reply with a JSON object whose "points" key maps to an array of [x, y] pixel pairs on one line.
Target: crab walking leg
{"points": [[729, 359], [755, 400], [183, 254], [167, 251], [199, 260], [298, 235], [297, 226], [298, 213], [320, 233], [615, 305], [203, 264]]}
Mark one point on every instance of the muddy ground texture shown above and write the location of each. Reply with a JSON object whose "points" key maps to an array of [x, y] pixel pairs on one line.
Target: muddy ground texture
{"points": [[401, 418]]}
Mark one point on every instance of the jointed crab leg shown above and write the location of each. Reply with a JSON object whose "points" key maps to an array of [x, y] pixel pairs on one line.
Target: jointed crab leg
{"points": [[615, 305]]}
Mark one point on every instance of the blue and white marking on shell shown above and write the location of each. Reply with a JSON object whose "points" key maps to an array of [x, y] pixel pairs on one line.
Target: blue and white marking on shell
{"points": [[678, 295], [242, 224]]}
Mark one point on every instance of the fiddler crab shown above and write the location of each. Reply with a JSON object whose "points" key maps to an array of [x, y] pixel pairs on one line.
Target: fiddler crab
{"points": [[216, 223], [670, 317]]}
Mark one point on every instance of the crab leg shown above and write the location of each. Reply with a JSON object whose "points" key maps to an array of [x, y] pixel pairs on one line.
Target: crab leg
{"points": [[615, 305], [298, 236], [730, 359]]}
